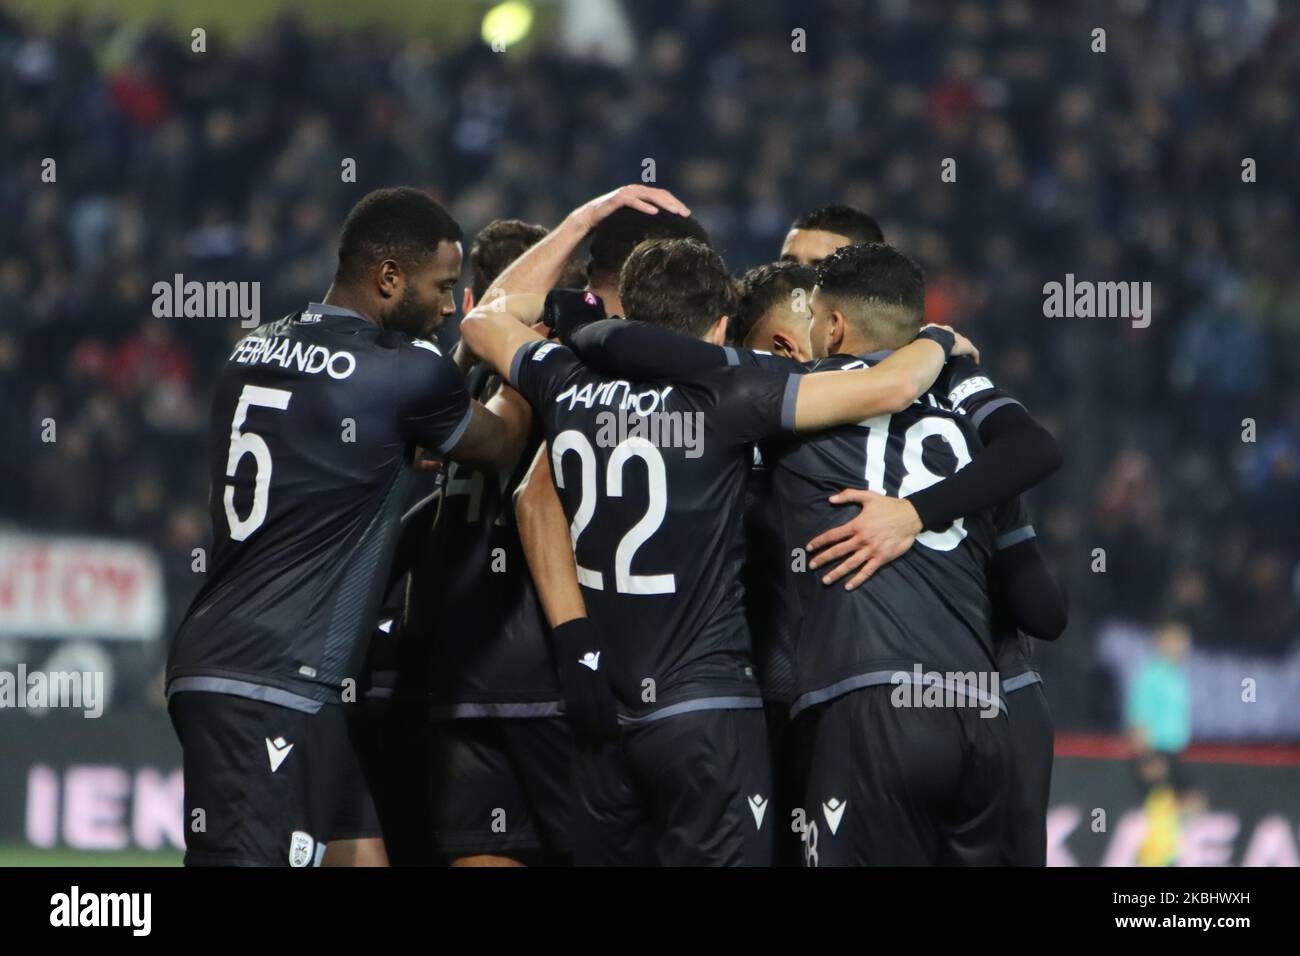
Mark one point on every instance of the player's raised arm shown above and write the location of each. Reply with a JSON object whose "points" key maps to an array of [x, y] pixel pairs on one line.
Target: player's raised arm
{"points": [[496, 330], [539, 269], [575, 642]]}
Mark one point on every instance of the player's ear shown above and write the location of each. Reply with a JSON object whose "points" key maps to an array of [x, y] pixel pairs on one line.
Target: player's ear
{"points": [[718, 334], [783, 344], [388, 279], [467, 301], [835, 332]]}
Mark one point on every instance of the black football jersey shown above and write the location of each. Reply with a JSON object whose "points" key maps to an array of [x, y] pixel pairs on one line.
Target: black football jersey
{"points": [[397, 660], [771, 608], [652, 478], [314, 421], [473, 597], [927, 612]]}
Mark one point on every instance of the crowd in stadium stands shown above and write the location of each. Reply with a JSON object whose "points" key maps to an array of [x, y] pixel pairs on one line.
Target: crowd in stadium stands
{"points": [[1123, 165]]}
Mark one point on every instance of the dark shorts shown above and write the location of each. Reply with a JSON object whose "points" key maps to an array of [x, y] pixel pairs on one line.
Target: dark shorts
{"points": [[689, 790], [384, 790], [904, 786], [1031, 775], [261, 781], [502, 787]]}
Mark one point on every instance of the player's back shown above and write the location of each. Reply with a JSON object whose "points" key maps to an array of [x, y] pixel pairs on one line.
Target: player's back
{"points": [[929, 608], [472, 598], [312, 425], [652, 477]]}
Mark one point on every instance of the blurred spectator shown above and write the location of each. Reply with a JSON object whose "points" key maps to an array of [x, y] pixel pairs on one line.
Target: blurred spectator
{"points": [[1159, 711]]}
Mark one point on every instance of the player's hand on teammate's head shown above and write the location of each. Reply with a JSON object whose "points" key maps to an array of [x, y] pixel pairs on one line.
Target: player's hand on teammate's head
{"points": [[883, 530], [965, 346], [646, 199], [962, 345]]}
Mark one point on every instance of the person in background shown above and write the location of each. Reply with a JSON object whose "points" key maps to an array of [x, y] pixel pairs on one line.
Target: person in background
{"points": [[1159, 717]]}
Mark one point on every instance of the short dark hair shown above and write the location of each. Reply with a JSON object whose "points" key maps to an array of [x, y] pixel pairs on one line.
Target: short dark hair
{"points": [[400, 223], [842, 220], [877, 288], [679, 284], [619, 233], [498, 244], [763, 287]]}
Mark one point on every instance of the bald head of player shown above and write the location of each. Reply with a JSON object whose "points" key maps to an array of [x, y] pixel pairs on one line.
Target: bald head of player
{"points": [[815, 235], [399, 261], [681, 285], [621, 232], [774, 311], [868, 297]]}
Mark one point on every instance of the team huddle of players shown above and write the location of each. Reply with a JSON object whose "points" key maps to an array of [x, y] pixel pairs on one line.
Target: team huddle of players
{"points": [[658, 567]]}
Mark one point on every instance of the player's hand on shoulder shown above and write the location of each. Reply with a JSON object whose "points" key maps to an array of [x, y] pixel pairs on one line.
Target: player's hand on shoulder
{"points": [[961, 344]]}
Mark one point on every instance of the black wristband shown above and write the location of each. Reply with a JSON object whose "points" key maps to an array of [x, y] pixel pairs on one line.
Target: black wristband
{"points": [[579, 635], [941, 337], [567, 310]]}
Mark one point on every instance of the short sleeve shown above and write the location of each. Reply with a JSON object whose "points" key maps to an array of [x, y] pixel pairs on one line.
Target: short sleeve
{"points": [[438, 411], [752, 358], [1011, 524], [752, 404], [540, 369]]}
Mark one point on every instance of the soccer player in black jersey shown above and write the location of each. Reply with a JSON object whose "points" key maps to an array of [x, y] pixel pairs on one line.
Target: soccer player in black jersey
{"points": [[381, 815], [501, 753], [1026, 598], [926, 788], [652, 480], [773, 315], [315, 419]]}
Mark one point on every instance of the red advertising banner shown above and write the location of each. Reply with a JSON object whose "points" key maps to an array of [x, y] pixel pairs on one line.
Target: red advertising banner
{"points": [[67, 587]]}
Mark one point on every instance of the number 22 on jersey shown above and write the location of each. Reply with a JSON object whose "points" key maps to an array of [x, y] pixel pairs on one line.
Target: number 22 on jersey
{"points": [[625, 582]]}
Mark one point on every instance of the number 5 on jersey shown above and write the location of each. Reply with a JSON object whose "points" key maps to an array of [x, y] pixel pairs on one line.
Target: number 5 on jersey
{"points": [[249, 443]]}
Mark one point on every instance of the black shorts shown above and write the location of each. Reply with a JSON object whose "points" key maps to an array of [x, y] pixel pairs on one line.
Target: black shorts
{"points": [[1031, 775], [384, 792], [904, 786], [502, 787], [689, 790], [261, 781]]}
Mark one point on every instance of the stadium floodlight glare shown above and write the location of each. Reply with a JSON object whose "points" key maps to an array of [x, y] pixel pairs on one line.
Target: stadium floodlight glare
{"points": [[507, 23]]}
